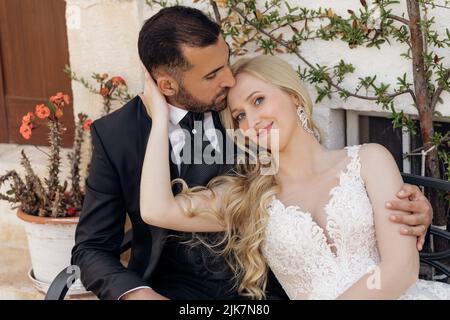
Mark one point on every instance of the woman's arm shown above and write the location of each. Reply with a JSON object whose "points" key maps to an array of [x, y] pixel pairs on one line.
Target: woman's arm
{"points": [[399, 265], [158, 206]]}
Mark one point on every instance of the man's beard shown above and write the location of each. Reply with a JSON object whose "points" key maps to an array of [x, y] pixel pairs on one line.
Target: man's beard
{"points": [[184, 98]]}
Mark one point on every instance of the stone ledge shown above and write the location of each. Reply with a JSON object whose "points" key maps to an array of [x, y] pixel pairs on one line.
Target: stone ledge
{"points": [[14, 281]]}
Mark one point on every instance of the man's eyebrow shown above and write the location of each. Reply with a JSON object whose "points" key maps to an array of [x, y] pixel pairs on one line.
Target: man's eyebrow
{"points": [[214, 71]]}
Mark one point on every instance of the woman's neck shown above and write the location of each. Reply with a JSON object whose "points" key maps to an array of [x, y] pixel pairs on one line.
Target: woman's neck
{"points": [[302, 158]]}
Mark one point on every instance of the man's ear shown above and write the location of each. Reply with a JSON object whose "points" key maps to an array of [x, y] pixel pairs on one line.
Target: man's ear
{"points": [[167, 85]]}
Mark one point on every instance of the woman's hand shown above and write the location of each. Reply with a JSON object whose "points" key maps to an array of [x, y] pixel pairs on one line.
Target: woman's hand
{"points": [[154, 101]]}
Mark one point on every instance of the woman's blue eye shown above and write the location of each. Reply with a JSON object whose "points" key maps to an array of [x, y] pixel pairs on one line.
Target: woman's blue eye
{"points": [[239, 117], [259, 100]]}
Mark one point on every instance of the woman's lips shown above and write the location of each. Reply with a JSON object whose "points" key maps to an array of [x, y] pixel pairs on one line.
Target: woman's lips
{"points": [[264, 131]]}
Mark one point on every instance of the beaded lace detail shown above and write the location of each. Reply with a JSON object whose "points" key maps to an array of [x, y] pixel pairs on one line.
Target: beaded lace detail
{"points": [[306, 265]]}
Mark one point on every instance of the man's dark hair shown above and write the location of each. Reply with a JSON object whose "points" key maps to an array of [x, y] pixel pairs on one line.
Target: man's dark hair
{"points": [[163, 35]]}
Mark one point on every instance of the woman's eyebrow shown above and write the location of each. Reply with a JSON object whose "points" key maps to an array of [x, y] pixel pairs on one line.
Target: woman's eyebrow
{"points": [[248, 98], [251, 94]]}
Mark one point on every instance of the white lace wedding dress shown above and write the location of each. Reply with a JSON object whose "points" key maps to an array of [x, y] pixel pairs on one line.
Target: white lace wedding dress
{"points": [[299, 255]]}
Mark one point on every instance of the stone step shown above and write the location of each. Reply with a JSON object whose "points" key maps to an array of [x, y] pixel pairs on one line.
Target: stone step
{"points": [[14, 281]]}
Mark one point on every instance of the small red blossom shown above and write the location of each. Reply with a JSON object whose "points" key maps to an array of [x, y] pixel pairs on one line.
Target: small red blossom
{"points": [[116, 81], [104, 92], [42, 111], [87, 125], [66, 99], [60, 99], [26, 119], [71, 211], [25, 131], [58, 113]]}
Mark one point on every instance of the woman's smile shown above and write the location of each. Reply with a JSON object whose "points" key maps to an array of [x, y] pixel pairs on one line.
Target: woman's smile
{"points": [[265, 131]]}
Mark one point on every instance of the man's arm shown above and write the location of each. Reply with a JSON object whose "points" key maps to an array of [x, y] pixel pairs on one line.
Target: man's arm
{"points": [[101, 229]]}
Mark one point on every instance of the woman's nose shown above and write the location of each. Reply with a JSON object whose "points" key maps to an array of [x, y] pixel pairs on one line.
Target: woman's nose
{"points": [[252, 120]]}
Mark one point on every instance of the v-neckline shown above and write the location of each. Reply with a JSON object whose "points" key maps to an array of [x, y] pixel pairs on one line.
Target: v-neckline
{"points": [[324, 230]]}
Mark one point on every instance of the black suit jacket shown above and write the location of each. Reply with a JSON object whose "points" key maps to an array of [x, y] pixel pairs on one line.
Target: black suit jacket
{"points": [[112, 191]]}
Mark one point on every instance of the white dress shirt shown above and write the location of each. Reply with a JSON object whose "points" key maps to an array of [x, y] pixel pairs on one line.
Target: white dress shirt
{"points": [[177, 137]]}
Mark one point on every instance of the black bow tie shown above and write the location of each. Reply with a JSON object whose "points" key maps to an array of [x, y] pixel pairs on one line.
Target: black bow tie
{"points": [[189, 119]]}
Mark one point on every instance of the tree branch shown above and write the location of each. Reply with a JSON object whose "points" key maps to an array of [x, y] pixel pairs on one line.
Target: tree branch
{"points": [[399, 19], [418, 64], [309, 64], [437, 93], [216, 12], [436, 5]]}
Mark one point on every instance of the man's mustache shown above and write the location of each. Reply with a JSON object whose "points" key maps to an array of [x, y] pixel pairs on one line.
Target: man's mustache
{"points": [[223, 92]]}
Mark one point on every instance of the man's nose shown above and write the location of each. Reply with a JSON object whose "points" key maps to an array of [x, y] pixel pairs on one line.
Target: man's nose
{"points": [[228, 80]]}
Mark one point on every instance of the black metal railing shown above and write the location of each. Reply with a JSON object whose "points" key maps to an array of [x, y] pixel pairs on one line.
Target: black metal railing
{"points": [[433, 259]]}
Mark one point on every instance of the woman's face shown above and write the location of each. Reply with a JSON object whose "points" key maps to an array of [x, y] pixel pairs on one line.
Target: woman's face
{"points": [[262, 110]]}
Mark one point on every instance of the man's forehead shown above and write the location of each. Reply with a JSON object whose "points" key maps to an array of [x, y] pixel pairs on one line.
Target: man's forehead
{"points": [[207, 57]]}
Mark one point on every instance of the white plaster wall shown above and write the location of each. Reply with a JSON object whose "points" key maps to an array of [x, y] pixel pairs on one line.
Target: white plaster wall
{"points": [[105, 40], [102, 38]]}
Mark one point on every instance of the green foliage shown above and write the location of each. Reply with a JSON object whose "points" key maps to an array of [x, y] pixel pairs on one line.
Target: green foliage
{"points": [[280, 27]]}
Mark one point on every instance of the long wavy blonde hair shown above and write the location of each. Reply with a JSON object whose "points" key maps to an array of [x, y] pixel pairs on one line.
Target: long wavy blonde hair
{"points": [[248, 193]]}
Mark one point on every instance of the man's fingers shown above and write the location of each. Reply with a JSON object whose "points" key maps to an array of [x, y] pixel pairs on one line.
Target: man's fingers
{"points": [[408, 191], [411, 219], [420, 242], [408, 206], [416, 231]]}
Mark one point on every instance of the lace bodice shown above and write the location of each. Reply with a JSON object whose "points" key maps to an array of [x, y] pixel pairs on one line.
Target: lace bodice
{"points": [[297, 250]]}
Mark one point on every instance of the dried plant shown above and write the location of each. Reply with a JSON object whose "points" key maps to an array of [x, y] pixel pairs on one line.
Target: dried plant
{"points": [[48, 198]]}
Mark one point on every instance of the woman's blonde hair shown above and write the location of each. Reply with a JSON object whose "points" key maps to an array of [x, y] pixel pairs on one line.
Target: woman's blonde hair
{"points": [[275, 71], [248, 193]]}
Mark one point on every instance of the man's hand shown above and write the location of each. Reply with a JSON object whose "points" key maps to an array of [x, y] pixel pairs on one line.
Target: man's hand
{"points": [[143, 294], [420, 212]]}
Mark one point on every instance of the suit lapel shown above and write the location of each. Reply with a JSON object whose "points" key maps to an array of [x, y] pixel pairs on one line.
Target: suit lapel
{"points": [[158, 235]]}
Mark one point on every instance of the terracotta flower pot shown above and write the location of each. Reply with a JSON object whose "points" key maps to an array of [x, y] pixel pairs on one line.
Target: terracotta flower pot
{"points": [[50, 242]]}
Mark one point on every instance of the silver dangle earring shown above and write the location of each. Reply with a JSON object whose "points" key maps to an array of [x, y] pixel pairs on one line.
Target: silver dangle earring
{"points": [[303, 119]]}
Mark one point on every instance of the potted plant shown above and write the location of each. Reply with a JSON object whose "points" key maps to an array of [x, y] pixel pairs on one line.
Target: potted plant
{"points": [[48, 208]]}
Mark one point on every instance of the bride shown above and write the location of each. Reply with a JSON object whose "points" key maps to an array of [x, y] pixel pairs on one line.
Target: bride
{"points": [[319, 222]]}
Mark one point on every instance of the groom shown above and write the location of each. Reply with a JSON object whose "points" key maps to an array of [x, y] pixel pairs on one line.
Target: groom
{"points": [[188, 57]]}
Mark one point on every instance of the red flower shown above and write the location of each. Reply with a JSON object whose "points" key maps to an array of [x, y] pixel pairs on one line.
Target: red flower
{"points": [[56, 98], [60, 99], [116, 81], [87, 125], [25, 131], [26, 119], [104, 92], [58, 113], [42, 111], [66, 99], [71, 211]]}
